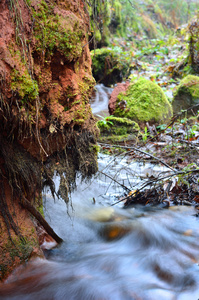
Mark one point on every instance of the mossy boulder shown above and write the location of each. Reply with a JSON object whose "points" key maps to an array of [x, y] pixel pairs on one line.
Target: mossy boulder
{"points": [[186, 94], [110, 66], [143, 101], [114, 129]]}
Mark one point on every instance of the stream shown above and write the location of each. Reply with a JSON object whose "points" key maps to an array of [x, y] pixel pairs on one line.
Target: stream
{"points": [[99, 101], [139, 253]]}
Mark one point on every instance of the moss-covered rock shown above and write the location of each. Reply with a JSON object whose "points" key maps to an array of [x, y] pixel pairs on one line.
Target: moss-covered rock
{"points": [[186, 94], [113, 129], [110, 66], [143, 101]]}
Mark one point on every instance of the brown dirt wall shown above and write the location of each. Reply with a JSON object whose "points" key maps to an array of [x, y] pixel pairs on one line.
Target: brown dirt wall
{"points": [[45, 85]]}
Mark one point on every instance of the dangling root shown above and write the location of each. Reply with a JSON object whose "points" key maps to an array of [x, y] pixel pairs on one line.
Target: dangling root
{"points": [[27, 205]]}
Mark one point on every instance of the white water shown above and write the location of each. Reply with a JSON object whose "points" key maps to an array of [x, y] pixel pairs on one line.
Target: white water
{"points": [[153, 255], [99, 102], [111, 253]]}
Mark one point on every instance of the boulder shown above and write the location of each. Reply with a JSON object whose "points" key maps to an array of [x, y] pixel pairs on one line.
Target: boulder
{"points": [[110, 66], [142, 101], [114, 129], [186, 94], [120, 87]]}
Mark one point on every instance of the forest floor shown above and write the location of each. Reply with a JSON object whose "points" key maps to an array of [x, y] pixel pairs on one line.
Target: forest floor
{"points": [[175, 145]]}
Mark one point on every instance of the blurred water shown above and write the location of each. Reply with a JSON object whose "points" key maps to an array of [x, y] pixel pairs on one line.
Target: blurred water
{"points": [[99, 101], [110, 252]]}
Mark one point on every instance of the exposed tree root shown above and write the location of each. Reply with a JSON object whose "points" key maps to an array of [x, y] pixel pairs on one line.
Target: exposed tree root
{"points": [[27, 205]]}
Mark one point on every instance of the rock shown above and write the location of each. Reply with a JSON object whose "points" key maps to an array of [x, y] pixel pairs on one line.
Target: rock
{"points": [[109, 66], [186, 94], [114, 129], [145, 102], [120, 87]]}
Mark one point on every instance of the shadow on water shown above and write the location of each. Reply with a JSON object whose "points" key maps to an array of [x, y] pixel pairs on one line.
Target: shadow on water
{"points": [[113, 253]]}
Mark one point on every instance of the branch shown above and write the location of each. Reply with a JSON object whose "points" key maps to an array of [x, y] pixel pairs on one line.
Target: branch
{"points": [[156, 180], [122, 185], [141, 151]]}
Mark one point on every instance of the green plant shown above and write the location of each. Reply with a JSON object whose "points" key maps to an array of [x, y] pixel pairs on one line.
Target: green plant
{"points": [[161, 127], [104, 122], [145, 134]]}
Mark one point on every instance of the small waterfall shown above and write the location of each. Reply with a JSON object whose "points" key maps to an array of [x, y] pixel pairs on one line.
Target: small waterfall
{"points": [[99, 101]]}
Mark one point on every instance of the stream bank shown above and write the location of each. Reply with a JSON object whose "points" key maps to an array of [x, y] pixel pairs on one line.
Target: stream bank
{"points": [[46, 122]]}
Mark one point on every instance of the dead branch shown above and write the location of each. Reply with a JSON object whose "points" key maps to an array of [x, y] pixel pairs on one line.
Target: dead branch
{"points": [[155, 180], [141, 151], [113, 179], [191, 145]]}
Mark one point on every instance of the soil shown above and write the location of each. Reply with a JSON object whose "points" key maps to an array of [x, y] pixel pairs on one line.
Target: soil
{"points": [[45, 116]]}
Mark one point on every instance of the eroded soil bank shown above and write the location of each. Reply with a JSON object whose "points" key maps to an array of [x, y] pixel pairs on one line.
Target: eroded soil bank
{"points": [[46, 123]]}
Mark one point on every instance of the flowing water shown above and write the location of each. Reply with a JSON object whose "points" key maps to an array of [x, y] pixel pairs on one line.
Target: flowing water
{"points": [[99, 101], [140, 253]]}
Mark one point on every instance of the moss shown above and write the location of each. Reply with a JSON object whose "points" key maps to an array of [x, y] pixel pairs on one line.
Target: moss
{"points": [[52, 31], [85, 86], [24, 85], [22, 248], [21, 81], [39, 205], [19, 250], [143, 101], [117, 129], [94, 148], [110, 65], [186, 94], [98, 35], [113, 138], [190, 86]]}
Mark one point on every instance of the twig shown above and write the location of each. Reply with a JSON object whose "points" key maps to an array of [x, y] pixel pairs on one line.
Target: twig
{"points": [[195, 146], [156, 180], [122, 185], [143, 152], [37, 126]]}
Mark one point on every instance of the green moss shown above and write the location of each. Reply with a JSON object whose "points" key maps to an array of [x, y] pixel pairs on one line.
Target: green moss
{"points": [[39, 205], [143, 101], [113, 138], [18, 248], [82, 113], [52, 31], [24, 85], [85, 86], [94, 148], [98, 35], [117, 129], [186, 94], [22, 249], [189, 85], [110, 65]]}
